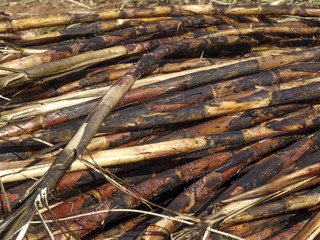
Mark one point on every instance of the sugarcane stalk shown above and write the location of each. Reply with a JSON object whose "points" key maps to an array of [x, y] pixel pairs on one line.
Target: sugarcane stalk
{"points": [[76, 47], [215, 75], [145, 29], [310, 230], [238, 204], [106, 76], [306, 118], [78, 61], [154, 186], [291, 122], [211, 91], [289, 232], [87, 131], [92, 197], [273, 165], [266, 30], [210, 74], [248, 229], [290, 203], [62, 19], [98, 28], [185, 201], [123, 228], [75, 147], [98, 76], [211, 108], [91, 16], [266, 232], [231, 122]]}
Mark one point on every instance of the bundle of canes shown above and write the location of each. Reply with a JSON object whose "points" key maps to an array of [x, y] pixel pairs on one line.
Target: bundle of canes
{"points": [[205, 116]]}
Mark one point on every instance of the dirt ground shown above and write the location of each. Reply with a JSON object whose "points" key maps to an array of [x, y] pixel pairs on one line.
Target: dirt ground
{"points": [[20, 8], [23, 8]]}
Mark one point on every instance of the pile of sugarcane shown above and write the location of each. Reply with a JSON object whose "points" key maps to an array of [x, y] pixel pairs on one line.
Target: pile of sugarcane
{"points": [[178, 122]]}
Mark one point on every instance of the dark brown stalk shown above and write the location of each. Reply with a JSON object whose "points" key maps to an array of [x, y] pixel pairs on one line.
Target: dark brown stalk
{"points": [[294, 42], [92, 16], [248, 228], [239, 203], [272, 165], [185, 201], [63, 19], [268, 30], [210, 108], [122, 228], [16, 153], [218, 74], [231, 122], [226, 123], [68, 181], [105, 74], [173, 102], [145, 29], [305, 161], [266, 232], [88, 129], [98, 28], [93, 196], [52, 63], [305, 118], [71, 48], [155, 186], [290, 203], [289, 232]]}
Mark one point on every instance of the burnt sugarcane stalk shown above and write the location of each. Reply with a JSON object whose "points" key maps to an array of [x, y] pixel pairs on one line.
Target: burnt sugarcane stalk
{"points": [[305, 161], [98, 28], [110, 75], [231, 122], [240, 203], [189, 97], [248, 228], [289, 232], [185, 201], [82, 60], [266, 30], [92, 16], [72, 48], [68, 181], [115, 13], [123, 228], [85, 133], [290, 203], [155, 186], [180, 82], [93, 197], [266, 232], [273, 165], [295, 121], [148, 28], [163, 68], [215, 75], [211, 108]]}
